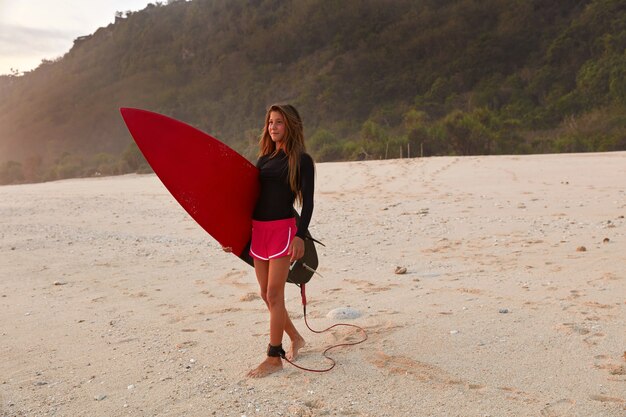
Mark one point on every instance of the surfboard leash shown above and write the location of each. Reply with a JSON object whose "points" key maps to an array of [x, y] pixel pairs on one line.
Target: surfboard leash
{"points": [[324, 353]]}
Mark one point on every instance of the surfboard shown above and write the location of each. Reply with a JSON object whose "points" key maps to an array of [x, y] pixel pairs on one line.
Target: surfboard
{"points": [[217, 186]]}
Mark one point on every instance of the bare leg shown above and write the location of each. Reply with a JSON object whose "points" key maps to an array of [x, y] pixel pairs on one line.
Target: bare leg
{"points": [[297, 341], [273, 274], [277, 277]]}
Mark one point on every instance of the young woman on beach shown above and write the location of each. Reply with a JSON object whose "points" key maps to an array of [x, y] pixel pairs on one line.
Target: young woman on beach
{"points": [[286, 174]]}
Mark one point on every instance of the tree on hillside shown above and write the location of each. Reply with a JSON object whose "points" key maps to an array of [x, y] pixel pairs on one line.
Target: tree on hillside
{"points": [[369, 77]]}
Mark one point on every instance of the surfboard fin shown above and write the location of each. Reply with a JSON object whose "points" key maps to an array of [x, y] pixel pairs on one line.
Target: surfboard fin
{"points": [[306, 267], [315, 240], [312, 270]]}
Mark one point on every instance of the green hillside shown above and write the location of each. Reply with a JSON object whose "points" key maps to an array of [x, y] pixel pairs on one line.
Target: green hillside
{"points": [[372, 79]]}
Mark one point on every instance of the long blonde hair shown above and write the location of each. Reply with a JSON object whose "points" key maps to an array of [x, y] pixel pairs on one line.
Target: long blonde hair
{"points": [[293, 143]]}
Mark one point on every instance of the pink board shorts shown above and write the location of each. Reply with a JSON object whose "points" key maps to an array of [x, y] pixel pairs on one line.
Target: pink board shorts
{"points": [[272, 239]]}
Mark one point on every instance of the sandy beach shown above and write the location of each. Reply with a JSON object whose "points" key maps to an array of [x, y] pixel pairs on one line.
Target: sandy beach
{"points": [[113, 302]]}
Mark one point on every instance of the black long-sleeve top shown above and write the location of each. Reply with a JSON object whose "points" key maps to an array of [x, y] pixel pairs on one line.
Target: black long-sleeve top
{"points": [[276, 198]]}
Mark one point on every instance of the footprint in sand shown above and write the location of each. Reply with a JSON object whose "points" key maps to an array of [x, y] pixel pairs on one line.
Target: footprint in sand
{"points": [[251, 296], [593, 339], [231, 278], [574, 294], [606, 399], [595, 304], [226, 310], [187, 344], [379, 331], [368, 287], [308, 408], [574, 328], [176, 319], [474, 291], [424, 372], [616, 370], [140, 294], [606, 278], [558, 408], [518, 395]]}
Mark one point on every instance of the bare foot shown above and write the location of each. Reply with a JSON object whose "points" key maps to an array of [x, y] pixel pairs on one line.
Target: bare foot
{"points": [[296, 345], [268, 366]]}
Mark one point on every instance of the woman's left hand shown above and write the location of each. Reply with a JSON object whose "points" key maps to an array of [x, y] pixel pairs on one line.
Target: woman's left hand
{"points": [[297, 249]]}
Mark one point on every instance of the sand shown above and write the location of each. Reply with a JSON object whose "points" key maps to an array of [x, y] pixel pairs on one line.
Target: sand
{"points": [[113, 302]]}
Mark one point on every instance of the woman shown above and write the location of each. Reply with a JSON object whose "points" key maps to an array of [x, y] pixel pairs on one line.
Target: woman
{"points": [[286, 174]]}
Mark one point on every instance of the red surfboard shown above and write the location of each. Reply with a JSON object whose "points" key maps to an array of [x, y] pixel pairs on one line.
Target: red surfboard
{"points": [[217, 186], [214, 184]]}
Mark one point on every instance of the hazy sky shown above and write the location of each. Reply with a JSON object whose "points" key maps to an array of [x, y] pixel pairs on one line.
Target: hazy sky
{"points": [[32, 30]]}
